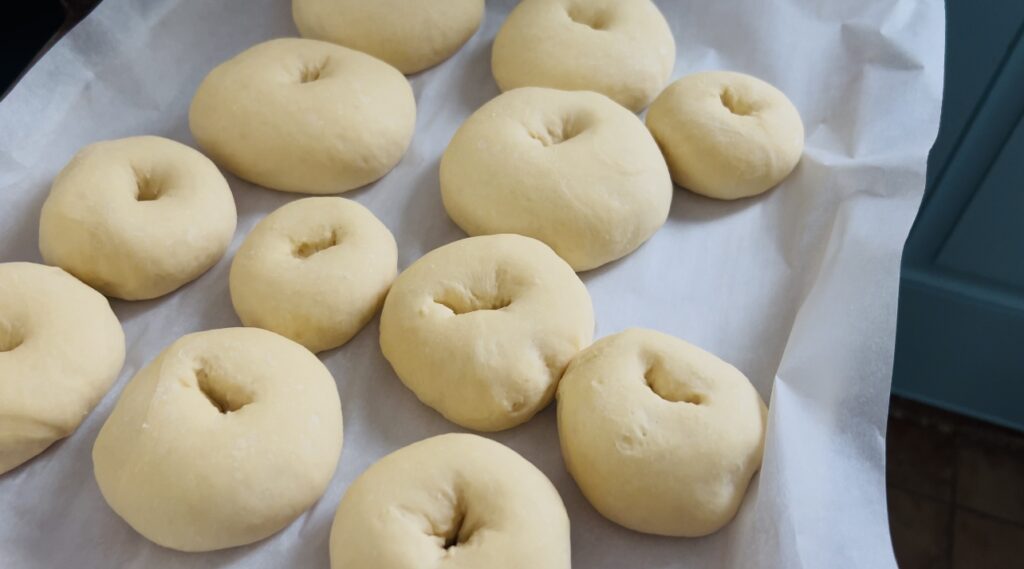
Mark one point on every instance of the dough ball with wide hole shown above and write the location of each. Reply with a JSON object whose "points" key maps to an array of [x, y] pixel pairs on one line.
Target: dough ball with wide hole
{"points": [[315, 270], [569, 168], [451, 501], [726, 135], [61, 348], [481, 329], [661, 436], [222, 440], [412, 35], [138, 217], [306, 116], [621, 48]]}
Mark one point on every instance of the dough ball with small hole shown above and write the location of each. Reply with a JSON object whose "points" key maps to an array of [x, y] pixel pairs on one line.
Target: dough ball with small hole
{"points": [[451, 501], [412, 35], [222, 440], [569, 168], [305, 116], [315, 270], [661, 436], [726, 135], [621, 48], [61, 348], [481, 329], [137, 218]]}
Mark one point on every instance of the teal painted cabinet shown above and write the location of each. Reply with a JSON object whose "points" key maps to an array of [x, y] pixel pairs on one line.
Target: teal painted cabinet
{"points": [[960, 332]]}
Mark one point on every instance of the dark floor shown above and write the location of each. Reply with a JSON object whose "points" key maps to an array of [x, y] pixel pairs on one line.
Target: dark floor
{"points": [[956, 490]]}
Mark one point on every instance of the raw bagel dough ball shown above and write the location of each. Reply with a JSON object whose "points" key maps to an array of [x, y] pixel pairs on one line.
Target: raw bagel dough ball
{"points": [[138, 217], [572, 169], [661, 436], [304, 116], [222, 440], [412, 35], [315, 270], [61, 347], [451, 501], [726, 135], [621, 48], [482, 329]]}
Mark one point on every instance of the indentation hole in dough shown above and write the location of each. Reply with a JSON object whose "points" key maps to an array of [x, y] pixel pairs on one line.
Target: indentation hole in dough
{"points": [[456, 532], [308, 248], [553, 133], [669, 388], [587, 16], [147, 189], [452, 540], [223, 394], [736, 104], [461, 301], [311, 71], [9, 338]]}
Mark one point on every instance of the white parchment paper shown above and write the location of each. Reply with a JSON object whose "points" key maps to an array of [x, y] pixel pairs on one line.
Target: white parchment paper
{"points": [[797, 287]]}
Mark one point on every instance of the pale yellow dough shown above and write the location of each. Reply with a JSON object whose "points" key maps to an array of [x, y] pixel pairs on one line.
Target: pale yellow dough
{"points": [[661, 436], [454, 501], [136, 218], [726, 135], [315, 270], [569, 168], [222, 440], [482, 329], [621, 48], [412, 35], [61, 348], [305, 116]]}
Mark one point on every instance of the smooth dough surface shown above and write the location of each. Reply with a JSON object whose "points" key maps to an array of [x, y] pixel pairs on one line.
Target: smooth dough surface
{"points": [[222, 440], [412, 35], [481, 329], [569, 168], [61, 348], [305, 116], [621, 48], [452, 501], [726, 135], [315, 270], [661, 436], [136, 218]]}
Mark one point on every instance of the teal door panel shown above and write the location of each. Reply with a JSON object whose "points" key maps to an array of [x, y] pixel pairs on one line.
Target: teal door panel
{"points": [[979, 35], [964, 356], [988, 239], [960, 330]]}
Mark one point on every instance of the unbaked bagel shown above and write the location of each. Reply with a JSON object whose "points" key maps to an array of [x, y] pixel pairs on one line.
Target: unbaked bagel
{"points": [[222, 440], [661, 436], [61, 348], [138, 217], [412, 35], [305, 116], [621, 48], [482, 329], [570, 168], [315, 270], [726, 135], [451, 501]]}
